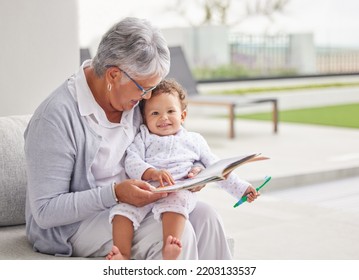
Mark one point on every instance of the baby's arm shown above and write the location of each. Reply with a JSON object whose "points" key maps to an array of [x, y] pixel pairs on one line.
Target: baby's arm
{"points": [[159, 175], [233, 184], [135, 164]]}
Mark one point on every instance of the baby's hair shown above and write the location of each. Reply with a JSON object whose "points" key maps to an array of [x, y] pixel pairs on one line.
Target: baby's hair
{"points": [[168, 86]]}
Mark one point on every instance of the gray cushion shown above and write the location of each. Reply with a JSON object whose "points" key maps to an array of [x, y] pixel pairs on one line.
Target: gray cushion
{"points": [[12, 170], [14, 246]]}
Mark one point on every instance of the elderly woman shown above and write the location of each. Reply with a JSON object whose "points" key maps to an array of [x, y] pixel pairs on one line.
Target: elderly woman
{"points": [[75, 145]]}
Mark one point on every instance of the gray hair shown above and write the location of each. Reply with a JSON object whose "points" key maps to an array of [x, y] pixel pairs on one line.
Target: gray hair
{"points": [[136, 47]]}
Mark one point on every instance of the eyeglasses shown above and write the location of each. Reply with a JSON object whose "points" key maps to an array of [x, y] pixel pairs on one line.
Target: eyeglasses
{"points": [[144, 91]]}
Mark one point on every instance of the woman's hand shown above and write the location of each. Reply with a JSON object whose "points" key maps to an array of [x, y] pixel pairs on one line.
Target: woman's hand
{"points": [[194, 172], [251, 194], [136, 192]]}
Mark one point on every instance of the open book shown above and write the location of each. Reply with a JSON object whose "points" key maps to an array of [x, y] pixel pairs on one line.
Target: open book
{"points": [[213, 173]]}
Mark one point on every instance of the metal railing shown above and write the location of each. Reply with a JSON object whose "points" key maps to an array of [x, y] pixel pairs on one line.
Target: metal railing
{"points": [[263, 55], [337, 60], [271, 55]]}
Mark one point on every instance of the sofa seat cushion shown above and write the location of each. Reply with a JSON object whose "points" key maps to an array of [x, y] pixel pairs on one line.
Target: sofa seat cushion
{"points": [[14, 246], [12, 170]]}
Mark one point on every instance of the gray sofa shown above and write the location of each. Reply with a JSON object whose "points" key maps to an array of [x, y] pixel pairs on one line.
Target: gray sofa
{"points": [[13, 241]]}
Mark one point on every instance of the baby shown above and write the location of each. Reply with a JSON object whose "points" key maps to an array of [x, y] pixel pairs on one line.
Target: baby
{"points": [[164, 151]]}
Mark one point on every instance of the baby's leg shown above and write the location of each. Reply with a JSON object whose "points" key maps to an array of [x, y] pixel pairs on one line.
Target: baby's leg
{"points": [[173, 225], [125, 220], [173, 210], [122, 238]]}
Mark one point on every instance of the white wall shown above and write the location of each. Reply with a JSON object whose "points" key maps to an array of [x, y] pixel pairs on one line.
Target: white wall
{"points": [[39, 49]]}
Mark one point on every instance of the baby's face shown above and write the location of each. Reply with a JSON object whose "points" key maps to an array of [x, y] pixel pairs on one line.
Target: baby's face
{"points": [[163, 114]]}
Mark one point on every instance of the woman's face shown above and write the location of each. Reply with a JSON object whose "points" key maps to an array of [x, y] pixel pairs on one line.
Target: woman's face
{"points": [[127, 92]]}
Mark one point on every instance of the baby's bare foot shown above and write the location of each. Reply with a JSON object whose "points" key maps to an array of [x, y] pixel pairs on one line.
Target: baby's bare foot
{"points": [[115, 254], [172, 248]]}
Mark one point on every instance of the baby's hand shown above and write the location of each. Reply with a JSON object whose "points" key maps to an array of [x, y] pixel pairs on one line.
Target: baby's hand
{"points": [[195, 170], [251, 194], [162, 176]]}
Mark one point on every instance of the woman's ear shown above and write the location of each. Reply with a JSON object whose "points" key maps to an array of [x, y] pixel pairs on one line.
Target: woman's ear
{"points": [[113, 74]]}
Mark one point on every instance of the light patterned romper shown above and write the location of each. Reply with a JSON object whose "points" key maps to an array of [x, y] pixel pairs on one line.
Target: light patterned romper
{"points": [[176, 154]]}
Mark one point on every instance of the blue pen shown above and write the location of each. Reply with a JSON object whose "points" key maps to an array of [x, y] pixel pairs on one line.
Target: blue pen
{"points": [[244, 198]]}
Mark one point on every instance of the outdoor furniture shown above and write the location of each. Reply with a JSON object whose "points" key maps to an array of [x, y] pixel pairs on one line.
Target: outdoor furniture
{"points": [[181, 72], [84, 54]]}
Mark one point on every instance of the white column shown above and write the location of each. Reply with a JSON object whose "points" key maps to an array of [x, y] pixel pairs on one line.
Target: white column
{"points": [[39, 49], [302, 53]]}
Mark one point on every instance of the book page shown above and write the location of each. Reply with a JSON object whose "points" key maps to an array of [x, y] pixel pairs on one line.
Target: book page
{"points": [[248, 159], [187, 184], [214, 172], [224, 166]]}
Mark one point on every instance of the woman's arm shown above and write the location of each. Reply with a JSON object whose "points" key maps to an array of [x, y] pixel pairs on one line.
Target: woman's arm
{"points": [[54, 200]]}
